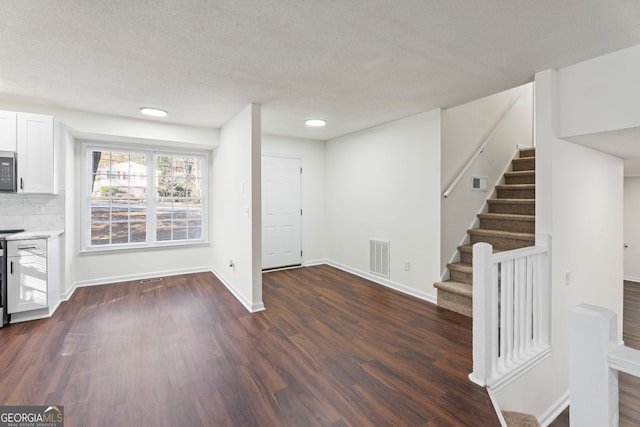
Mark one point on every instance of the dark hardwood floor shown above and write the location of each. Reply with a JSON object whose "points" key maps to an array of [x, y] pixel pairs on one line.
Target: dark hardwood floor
{"points": [[628, 385], [331, 349]]}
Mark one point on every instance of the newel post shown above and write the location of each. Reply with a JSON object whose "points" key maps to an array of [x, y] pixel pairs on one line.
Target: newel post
{"points": [[593, 385], [483, 303]]}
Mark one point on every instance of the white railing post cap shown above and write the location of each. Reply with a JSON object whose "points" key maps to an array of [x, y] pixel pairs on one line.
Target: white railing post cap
{"points": [[592, 311]]}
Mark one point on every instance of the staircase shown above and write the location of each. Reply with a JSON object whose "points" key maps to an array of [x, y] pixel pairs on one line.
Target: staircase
{"points": [[509, 224]]}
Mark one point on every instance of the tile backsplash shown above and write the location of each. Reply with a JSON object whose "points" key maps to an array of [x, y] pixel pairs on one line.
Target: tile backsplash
{"points": [[32, 212]]}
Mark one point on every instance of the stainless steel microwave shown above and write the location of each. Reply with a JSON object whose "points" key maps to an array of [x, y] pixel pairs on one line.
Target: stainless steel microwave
{"points": [[8, 172]]}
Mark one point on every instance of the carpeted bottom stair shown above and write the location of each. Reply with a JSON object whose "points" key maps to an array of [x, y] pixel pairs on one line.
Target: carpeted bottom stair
{"points": [[509, 224], [517, 419]]}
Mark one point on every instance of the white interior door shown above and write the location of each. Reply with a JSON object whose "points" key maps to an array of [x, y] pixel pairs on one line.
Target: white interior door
{"points": [[281, 212]]}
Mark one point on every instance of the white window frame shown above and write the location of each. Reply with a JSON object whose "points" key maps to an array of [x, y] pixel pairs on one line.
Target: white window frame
{"points": [[151, 242]]}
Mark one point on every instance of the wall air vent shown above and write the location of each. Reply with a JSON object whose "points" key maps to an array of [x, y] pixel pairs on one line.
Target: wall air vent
{"points": [[379, 257], [479, 183]]}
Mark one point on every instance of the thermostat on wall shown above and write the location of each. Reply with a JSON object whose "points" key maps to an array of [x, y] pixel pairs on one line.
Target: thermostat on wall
{"points": [[479, 183]]}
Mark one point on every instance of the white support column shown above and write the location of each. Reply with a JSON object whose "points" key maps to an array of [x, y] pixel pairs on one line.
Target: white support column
{"points": [[593, 385]]}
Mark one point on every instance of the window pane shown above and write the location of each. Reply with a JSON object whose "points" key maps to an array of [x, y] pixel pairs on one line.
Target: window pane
{"points": [[100, 209], [194, 218], [163, 187], [163, 231], [120, 232], [99, 181], [179, 233], [100, 234], [163, 176], [190, 167], [195, 208], [179, 211], [138, 231], [194, 223], [195, 233], [138, 209], [163, 209], [139, 159], [194, 188], [179, 187], [120, 211]]}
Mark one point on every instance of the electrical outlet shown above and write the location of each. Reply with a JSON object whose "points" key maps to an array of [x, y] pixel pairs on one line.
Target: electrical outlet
{"points": [[567, 278], [407, 266]]}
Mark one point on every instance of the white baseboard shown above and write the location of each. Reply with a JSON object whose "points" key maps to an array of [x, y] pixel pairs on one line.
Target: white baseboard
{"points": [[27, 316], [385, 282], [632, 279], [131, 277], [312, 262], [554, 410], [496, 407], [251, 307]]}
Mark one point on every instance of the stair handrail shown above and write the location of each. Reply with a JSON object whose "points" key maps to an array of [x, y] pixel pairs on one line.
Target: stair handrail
{"points": [[480, 149]]}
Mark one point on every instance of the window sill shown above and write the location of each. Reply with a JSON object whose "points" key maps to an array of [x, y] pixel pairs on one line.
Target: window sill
{"points": [[142, 247]]}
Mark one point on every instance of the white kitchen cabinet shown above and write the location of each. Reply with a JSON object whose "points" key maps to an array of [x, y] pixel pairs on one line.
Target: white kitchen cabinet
{"points": [[36, 154], [27, 284], [34, 274], [8, 131]]}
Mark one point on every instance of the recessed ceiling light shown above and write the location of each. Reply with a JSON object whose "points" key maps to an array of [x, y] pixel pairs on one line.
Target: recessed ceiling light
{"points": [[155, 112], [315, 123]]}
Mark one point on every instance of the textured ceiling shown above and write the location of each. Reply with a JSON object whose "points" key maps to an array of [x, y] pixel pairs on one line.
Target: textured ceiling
{"points": [[355, 63]]}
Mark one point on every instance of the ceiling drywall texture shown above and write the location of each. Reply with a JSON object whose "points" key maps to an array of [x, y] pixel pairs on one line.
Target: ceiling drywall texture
{"points": [[355, 63]]}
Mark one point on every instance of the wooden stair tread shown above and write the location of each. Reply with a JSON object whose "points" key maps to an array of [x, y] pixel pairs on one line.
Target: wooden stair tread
{"points": [[454, 287], [515, 186], [507, 217], [512, 201], [520, 173]]}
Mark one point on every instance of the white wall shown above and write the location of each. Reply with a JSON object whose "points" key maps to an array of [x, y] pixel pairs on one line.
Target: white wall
{"points": [[464, 128], [581, 204], [236, 209], [601, 94], [632, 228], [384, 183], [311, 153]]}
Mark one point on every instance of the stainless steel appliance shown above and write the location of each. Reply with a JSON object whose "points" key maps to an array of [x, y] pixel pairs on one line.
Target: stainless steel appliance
{"points": [[3, 273], [8, 172]]}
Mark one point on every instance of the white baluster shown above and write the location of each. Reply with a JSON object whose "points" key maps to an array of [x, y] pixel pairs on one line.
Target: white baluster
{"points": [[507, 280], [530, 263]]}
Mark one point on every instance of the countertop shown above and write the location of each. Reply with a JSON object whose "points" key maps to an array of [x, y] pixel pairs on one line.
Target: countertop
{"points": [[35, 235]]}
